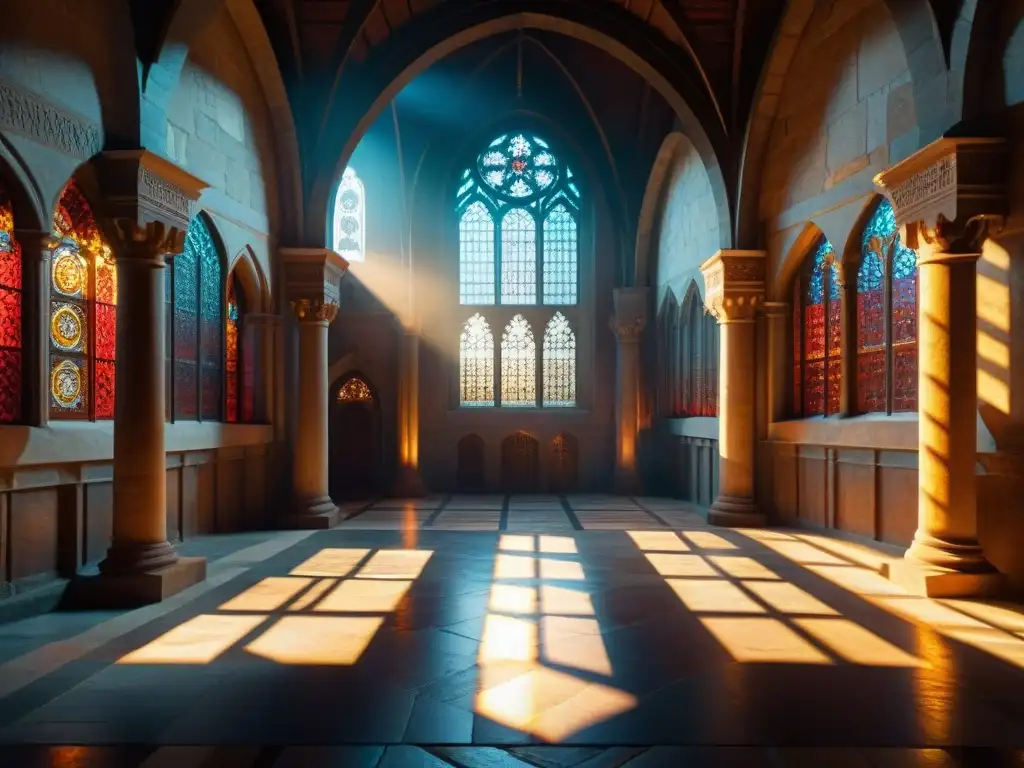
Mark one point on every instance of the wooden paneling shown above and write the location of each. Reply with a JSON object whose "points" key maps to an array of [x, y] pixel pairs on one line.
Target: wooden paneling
{"points": [[98, 520], [174, 504], [812, 485], [33, 526], [206, 498], [855, 492]]}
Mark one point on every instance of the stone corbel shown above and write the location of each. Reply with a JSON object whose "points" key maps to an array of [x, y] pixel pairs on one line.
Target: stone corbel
{"points": [[313, 282], [734, 284]]}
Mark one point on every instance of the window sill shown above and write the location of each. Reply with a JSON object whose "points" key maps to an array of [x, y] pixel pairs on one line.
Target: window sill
{"points": [[694, 426], [897, 432], [498, 413], [83, 441]]}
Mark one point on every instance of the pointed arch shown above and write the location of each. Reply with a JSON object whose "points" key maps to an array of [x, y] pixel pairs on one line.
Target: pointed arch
{"points": [[242, 293], [667, 354], [518, 364], [561, 248], [817, 333], [476, 255], [559, 372], [83, 313], [476, 363], [350, 217]]}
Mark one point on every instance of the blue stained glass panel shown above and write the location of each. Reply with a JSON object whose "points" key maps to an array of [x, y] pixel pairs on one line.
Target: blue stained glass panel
{"points": [[518, 258], [560, 257], [476, 255]]}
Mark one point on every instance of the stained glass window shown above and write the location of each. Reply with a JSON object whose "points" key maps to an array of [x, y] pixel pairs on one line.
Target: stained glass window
{"points": [[518, 365], [699, 357], [559, 363], [518, 258], [350, 217], [476, 255], [355, 390], [83, 313], [10, 317], [818, 330], [476, 363], [560, 248], [886, 366], [197, 358]]}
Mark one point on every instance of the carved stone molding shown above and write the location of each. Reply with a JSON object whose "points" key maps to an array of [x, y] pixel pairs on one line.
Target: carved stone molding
{"points": [[314, 310], [261, 320], [151, 242], [141, 187], [955, 188], [627, 331], [314, 274], [30, 115], [734, 285]]}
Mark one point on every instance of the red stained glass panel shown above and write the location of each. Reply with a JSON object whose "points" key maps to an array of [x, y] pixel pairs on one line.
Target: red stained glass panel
{"points": [[904, 395], [10, 385], [10, 317], [104, 370], [106, 331], [835, 353], [904, 340], [814, 356]]}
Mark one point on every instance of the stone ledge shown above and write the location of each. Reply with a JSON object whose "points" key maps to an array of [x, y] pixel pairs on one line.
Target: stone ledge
{"points": [[106, 592], [930, 581]]}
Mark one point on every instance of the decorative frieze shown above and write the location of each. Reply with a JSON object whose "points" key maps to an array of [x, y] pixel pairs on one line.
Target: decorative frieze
{"points": [[32, 116], [734, 285]]}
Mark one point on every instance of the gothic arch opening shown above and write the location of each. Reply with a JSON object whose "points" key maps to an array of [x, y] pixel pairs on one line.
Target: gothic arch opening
{"points": [[355, 439], [520, 464]]}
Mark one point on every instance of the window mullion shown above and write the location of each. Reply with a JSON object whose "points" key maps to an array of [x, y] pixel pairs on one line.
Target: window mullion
{"points": [[91, 349], [887, 308]]}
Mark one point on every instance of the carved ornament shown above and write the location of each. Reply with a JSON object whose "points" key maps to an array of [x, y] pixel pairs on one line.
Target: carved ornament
{"points": [[627, 331], [150, 242], [955, 188], [734, 285], [30, 115], [144, 187], [314, 310]]}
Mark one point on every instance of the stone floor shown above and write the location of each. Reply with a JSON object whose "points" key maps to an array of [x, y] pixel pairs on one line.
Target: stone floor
{"points": [[543, 631]]}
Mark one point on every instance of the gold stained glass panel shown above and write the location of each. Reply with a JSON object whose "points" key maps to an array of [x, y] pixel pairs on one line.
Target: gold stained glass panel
{"points": [[69, 384], [70, 272], [355, 390], [476, 363], [518, 364], [68, 327]]}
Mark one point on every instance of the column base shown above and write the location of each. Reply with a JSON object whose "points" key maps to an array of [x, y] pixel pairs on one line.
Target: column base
{"points": [[408, 484], [928, 580], [317, 514], [129, 590], [736, 512]]}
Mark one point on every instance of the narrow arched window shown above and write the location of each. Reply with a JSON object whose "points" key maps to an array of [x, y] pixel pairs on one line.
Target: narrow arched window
{"points": [[83, 314], [817, 330], [886, 318], [196, 358], [559, 372], [239, 358], [476, 363], [350, 217], [11, 370], [518, 209]]}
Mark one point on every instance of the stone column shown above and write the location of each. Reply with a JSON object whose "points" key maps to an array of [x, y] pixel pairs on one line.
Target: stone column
{"points": [[312, 278], [779, 359], [627, 325], [950, 193], [149, 203], [734, 290], [408, 483], [37, 250]]}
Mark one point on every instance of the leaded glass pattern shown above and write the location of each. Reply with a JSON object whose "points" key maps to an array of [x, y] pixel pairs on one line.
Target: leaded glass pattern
{"points": [[355, 390], [476, 363], [518, 258], [232, 329], [476, 255], [10, 317], [560, 249], [559, 373], [870, 334], [904, 328], [350, 217], [518, 365], [198, 327], [820, 334], [83, 313]]}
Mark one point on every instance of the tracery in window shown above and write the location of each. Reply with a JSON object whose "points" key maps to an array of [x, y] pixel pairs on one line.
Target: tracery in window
{"points": [[518, 258], [559, 373], [83, 313], [350, 217], [476, 255], [560, 249], [817, 303], [476, 363], [196, 349], [355, 390], [887, 379], [10, 317], [518, 365], [698, 358]]}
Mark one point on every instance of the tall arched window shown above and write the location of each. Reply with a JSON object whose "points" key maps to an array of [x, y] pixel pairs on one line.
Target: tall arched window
{"points": [[350, 217], [10, 317], [518, 223], [476, 363], [239, 359], [817, 334], [699, 357], [83, 314], [194, 288], [886, 318]]}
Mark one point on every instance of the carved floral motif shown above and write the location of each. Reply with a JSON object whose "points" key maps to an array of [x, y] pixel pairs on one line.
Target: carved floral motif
{"points": [[30, 115], [314, 310]]}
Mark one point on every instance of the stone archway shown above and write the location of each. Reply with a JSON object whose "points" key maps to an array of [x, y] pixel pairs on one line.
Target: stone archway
{"points": [[520, 464], [355, 439]]}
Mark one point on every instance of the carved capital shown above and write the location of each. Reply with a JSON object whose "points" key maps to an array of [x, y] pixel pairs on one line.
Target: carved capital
{"points": [[734, 285], [954, 190], [314, 274], [630, 316], [775, 309], [954, 240], [151, 242], [142, 187], [627, 331], [314, 310]]}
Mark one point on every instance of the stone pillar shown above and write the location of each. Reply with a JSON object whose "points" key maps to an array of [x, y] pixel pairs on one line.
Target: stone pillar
{"points": [[734, 290], [37, 250], [627, 324], [312, 279], [408, 483], [950, 192], [149, 203]]}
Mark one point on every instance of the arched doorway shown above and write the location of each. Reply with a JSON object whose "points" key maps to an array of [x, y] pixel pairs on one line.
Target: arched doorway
{"points": [[564, 466], [520, 464], [470, 476], [355, 439]]}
